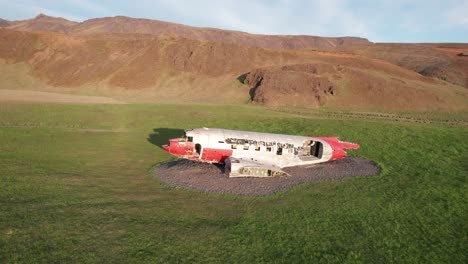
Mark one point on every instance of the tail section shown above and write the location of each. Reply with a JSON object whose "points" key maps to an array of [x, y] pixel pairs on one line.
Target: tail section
{"points": [[339, 147], [348, 145]]}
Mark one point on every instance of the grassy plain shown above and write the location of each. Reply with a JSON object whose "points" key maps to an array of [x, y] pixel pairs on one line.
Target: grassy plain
{"points": [[76, 186]]}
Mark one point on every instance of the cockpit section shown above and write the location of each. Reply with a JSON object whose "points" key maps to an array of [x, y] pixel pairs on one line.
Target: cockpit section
{"points": [[182, 147]]}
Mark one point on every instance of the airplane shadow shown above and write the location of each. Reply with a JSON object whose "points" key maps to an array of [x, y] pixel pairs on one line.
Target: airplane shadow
{"points": [[161, 136]]}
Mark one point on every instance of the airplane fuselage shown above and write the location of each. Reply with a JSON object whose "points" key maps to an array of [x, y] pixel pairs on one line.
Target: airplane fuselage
{"points": [[254, 149]]}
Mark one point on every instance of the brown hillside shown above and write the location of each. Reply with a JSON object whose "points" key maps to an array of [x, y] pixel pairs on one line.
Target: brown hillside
{"points": [[4, 23], [301, 84], [122, 24], [42, 23], [433, 60], [159, 68], [345, 85]]}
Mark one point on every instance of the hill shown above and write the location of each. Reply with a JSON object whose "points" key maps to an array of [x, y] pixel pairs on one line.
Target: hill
{"points": [[177, 69], [4, 23], [439, 60], [40, 23], [122, 24], [154, 61], [432, 60]]}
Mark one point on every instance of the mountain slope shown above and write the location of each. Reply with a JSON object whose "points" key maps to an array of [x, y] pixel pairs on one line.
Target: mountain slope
{"points": [[161, 68], [440, 60], [41, 23], [4, 23], [436, 60], [122, 24]]}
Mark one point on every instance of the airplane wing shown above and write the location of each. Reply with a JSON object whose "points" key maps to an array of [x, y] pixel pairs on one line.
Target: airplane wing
{"points": [[243, 167]]}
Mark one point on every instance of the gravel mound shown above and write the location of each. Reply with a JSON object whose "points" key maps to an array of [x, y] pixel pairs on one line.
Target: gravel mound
{"points": [[213, 178]]}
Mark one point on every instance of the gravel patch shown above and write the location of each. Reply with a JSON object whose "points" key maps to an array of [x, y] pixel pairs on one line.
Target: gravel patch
{"points": [[212, 178]]}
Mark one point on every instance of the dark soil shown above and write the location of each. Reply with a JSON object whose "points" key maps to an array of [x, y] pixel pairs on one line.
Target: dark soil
{"points": [[212, 178]]}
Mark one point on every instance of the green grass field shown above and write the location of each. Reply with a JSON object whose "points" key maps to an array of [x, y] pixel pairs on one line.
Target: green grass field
{"points": [[70, 194]]}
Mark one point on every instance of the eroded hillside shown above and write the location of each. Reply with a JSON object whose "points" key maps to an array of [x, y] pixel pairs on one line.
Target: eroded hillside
{"points": [[171, 64], [122, 24]]}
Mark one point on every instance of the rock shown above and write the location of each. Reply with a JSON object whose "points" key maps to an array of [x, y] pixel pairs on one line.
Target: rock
{"points": [[296, 84]]}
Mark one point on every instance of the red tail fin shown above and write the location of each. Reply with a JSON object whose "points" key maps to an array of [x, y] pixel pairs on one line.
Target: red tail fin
{"points": [[348, 145]]}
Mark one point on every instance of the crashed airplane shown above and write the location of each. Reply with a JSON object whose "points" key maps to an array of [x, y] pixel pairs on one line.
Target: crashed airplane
{"points": [[254, 154]]}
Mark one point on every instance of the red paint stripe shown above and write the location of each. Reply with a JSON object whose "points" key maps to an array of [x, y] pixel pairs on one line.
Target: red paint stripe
{"points": [[216, 155]]}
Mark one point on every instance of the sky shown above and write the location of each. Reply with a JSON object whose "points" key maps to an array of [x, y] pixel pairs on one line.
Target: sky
{"points": [[378, 20]]}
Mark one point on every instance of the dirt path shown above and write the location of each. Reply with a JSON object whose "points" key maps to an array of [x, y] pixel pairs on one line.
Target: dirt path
{"points": [[212, 178], [48, 97]]}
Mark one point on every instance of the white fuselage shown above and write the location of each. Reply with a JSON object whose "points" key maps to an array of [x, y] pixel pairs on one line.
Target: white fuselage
{"points": [[267, 148]]}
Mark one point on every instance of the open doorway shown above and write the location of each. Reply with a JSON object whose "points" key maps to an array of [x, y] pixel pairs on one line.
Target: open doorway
{"points": [[198, 148], [311, 148], [317, 150]]}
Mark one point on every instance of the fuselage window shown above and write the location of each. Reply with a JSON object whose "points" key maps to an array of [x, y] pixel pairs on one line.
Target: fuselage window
{"points": [[233, 146], [220, 141], [246, 147], [268, 148], [257, 148], [190, 139], [279, 151]]}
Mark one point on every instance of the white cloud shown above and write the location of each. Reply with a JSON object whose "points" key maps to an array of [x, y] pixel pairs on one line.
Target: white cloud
{"points": [[223, 14], [378, 20], [27, 11], [288, 17], [91, 6], [337, 15], [458, 14], [40, 10]]}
